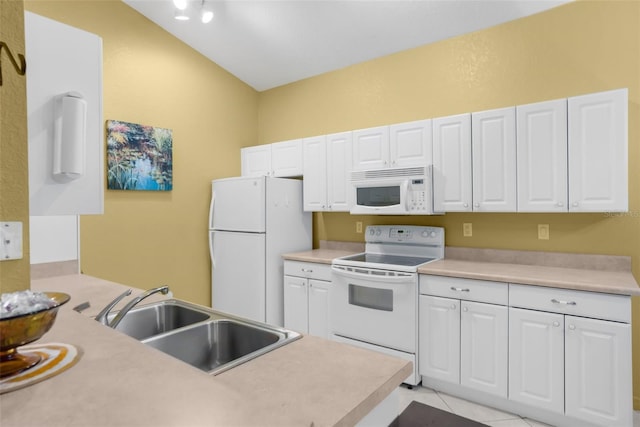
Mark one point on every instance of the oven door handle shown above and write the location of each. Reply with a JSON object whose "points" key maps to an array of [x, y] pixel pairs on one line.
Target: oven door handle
{"points": [[398, 278]]}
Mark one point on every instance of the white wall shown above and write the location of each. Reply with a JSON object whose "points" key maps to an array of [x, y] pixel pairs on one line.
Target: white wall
{"points": [[54, 238]]}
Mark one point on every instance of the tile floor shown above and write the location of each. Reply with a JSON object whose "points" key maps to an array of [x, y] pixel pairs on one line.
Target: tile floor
{"points": [[464, 408]]}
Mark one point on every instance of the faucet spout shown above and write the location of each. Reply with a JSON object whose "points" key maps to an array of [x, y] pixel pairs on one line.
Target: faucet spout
{"points": [[102, 316], [162, 289]]}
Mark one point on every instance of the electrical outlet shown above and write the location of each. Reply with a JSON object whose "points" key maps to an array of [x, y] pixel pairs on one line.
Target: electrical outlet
{"points": [[543, 231], [467, 229], [10, 240], [358, 226]]}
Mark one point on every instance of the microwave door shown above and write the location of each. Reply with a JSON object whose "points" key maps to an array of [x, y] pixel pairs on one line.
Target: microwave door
{"points": [[380, 199]]}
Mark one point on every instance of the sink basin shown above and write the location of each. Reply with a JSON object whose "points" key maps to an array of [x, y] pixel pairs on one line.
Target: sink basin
{"points": [[204, 338], [149, 320], [218, 345]]}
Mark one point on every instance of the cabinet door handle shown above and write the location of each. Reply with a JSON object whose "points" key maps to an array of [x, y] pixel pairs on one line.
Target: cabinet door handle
{"points": [[453, 306], [465, 309], [572, 327], [466, 205], [556, 324], [453, 288], [559, 204], [574, 204], [555, 301]]}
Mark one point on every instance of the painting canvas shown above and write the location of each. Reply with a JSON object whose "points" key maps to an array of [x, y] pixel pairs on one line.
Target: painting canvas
{"points": [[139, 157]]}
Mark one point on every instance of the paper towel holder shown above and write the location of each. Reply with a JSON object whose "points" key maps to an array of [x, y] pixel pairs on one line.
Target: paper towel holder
{"points": [[70, 135]]}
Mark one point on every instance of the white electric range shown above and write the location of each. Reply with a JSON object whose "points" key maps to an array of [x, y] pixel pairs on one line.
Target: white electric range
{"points": [[374, 298]]}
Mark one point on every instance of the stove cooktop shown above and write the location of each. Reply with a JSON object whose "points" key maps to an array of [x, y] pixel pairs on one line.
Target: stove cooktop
{"points": [[388, 260]]}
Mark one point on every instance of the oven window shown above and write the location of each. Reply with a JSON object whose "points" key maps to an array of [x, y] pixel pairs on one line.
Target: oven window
{"points": [[378, 299], [378, 196]]}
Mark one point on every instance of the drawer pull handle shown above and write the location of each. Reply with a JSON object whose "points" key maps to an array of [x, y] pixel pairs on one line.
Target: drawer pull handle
{"points": [[453, 288], [555, 301], [306, 270]]}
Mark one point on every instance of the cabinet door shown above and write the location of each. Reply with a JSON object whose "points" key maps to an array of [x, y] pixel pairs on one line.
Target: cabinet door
{"points": [[483, 347], [256, 161], [542, 156], [314, 184], [295, 304], [286, 158], [536, 358], [410, 144], [598, 152], [452, 163], [339, 155], [493, 145], [598, 371], [319, 308], [439, 342], [371, 148]]}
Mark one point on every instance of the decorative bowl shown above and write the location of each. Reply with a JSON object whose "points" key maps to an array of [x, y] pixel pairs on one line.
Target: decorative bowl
{"points": [[22, 329]]}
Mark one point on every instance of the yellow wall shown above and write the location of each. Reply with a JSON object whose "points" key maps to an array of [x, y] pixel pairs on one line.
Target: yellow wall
{"points": [[14, 178], [145, 239], [578, 48]]}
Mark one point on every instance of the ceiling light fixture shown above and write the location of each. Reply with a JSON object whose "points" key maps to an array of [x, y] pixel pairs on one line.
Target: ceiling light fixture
{"points": [[181, 15], [206, 14], [180, 4]]}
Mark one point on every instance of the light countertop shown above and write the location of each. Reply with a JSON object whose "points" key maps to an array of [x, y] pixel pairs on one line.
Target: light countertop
{"points": [[120, 381], [613, 282], [580, 272]]}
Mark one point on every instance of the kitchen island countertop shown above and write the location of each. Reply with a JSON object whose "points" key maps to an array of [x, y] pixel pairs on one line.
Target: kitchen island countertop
{"points": [[120, 381]]}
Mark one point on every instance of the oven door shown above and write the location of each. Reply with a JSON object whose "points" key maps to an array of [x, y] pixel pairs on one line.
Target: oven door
{"points": [[375, 306]]}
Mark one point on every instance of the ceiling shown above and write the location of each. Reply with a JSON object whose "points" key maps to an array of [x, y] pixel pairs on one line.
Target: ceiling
{"points": [[269, 43]]}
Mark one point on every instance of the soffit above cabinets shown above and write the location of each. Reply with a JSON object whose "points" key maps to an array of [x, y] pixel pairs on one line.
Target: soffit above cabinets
{"points": [[269, 43]]}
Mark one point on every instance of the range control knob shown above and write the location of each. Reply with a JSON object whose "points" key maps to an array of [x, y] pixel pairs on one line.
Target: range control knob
{"points": [[378, 232], [425, 234], [372, 232], [432, 234]]}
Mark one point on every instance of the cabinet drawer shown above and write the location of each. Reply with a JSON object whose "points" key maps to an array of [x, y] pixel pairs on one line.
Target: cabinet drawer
{"points": [[311, 270], [567, 301], [465, 289]]}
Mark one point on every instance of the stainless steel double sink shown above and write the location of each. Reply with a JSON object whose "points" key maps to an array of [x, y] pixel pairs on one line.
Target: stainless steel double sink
{"points": [[204, 338]]}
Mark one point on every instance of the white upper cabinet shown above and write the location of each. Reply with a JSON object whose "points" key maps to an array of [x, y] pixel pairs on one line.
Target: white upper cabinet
{"points": [[598, 159], [286, 158], [452, 163], [339, 155], [494, 160], [314, 183], [399, 145], [327, 163], [256, 161], [542, 156], [280, 159], [371, 148], [410, 144]]}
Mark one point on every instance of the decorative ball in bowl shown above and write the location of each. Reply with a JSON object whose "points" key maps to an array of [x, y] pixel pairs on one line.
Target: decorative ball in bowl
{"points": [[25, 317]]}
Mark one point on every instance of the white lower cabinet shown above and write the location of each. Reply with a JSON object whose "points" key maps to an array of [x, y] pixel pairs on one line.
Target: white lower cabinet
{"points": [[557, 355], [306, 297], [463, 342], [598, 371], [536, 356]]}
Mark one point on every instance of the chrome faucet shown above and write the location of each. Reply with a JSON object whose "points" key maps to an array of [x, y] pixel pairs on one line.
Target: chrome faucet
{"points": [[103, 315]]}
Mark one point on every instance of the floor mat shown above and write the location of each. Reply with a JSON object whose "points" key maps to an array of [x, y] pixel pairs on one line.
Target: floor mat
{"points": [[420, 415]]}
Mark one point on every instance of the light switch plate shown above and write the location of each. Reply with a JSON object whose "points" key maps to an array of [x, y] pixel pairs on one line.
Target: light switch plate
{"points": [[10, 240]]}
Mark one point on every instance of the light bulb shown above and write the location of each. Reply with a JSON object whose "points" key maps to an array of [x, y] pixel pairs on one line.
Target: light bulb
{"points": [[206, 16], [180, 4]]}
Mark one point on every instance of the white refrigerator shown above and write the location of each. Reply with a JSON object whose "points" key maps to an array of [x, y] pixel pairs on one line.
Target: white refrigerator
{"points": [[252, 222]]}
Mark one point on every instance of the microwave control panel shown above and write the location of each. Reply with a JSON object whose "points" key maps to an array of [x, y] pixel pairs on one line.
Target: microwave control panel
{"points": [[416, 196]]}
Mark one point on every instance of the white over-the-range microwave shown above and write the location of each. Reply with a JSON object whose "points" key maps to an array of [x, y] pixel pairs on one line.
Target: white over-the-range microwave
{"points": [[393, 191]]}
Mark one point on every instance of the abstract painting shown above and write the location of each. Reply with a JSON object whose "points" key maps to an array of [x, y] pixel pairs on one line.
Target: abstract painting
{"points": [[139, 157]]}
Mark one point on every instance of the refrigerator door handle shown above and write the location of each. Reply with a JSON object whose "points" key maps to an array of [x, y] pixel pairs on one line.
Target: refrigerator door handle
{"points": [[213, 202], [213, 260]]}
